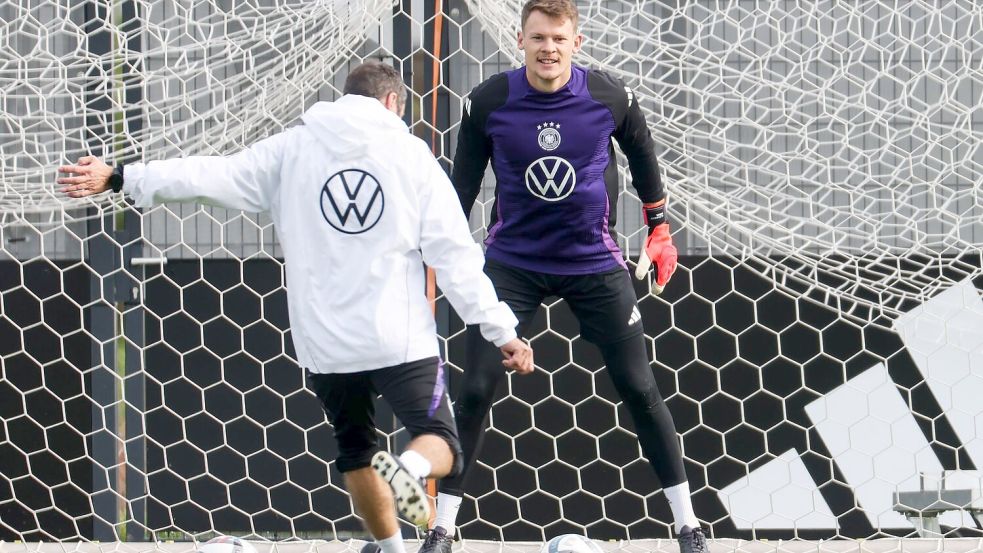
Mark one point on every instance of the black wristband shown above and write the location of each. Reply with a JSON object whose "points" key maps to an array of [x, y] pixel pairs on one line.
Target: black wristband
{"points": [[116, 179], [655, 216]]}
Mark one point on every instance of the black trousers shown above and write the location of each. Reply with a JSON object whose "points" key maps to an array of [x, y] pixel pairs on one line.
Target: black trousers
{"points": [[606, 307]]}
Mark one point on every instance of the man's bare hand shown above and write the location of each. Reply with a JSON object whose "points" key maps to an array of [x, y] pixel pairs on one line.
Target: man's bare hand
{"points": [[518, 356], [89, 176]]}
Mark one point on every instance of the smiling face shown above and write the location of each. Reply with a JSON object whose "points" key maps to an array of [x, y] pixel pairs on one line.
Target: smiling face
{"points": [[549, 44]]}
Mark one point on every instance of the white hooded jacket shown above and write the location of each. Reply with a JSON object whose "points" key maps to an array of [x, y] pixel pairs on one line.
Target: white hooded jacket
{"points": [[359, 205]]}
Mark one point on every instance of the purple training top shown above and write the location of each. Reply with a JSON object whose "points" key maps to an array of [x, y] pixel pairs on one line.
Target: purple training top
{"points": [[555, 168]]}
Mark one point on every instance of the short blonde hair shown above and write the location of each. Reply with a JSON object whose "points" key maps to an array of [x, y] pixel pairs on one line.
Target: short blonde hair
{"points": [[558, 9]]}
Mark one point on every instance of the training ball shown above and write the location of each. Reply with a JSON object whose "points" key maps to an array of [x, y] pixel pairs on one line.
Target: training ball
{"points": [[226, 544], [570, 543]]}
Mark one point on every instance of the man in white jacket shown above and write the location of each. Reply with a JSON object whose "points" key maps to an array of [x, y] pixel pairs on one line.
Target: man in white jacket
{"points": [[359, 205]]}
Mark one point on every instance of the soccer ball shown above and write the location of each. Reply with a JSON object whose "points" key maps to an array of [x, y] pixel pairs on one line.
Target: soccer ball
{"points": [[570, 543], [226, 544]]}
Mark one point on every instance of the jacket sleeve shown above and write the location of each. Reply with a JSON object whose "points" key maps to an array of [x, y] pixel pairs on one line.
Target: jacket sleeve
{"points": [[447, 247], [246, 180]]}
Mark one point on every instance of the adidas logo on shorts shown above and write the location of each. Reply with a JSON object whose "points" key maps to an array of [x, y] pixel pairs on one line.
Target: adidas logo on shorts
{"points": [[635, 316]]}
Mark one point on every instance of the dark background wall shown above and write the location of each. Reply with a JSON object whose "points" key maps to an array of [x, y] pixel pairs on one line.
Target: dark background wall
{"points": [[234, 442], [45, 476]]}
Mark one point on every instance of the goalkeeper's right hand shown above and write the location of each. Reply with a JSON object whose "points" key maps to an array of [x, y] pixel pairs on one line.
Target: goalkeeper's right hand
{"points": [[518, 356]]}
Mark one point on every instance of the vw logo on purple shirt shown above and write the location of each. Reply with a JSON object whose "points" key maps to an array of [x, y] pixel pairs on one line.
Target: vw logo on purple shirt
{"points": [[551, 178]]}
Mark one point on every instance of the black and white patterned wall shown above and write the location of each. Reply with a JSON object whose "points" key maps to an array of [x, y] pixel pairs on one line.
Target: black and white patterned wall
{"points": [[795, 422]]}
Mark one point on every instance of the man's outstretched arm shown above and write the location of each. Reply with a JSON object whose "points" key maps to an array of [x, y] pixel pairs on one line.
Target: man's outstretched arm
{"points": [[246, 180]]}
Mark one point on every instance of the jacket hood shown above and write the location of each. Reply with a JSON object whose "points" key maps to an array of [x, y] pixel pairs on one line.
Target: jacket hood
{"points": [[348, 125]]}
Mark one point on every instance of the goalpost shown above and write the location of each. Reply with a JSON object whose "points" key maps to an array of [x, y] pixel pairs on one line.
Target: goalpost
{"points": [[820, 346]]}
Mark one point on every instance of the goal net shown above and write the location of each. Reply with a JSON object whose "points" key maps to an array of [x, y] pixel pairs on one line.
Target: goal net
{"points": [[819, 347]]}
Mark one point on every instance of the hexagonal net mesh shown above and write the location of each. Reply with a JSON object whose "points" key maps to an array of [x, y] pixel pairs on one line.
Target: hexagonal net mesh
{"points": [[819, 347]]}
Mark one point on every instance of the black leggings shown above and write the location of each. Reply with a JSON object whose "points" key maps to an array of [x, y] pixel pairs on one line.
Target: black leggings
{"points": [[627, 364]]}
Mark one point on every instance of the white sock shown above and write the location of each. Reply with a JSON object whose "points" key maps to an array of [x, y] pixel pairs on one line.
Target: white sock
{"points": [[447, 508], [682, 506], [415, 464], [392, 544]]}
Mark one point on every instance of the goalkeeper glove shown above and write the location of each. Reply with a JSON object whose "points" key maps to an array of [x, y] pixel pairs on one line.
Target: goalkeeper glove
{"points": [[658, 247]]}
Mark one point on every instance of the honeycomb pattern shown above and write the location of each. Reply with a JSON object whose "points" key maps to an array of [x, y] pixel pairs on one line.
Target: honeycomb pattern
{"points": [[822, 161], [201, 77]]}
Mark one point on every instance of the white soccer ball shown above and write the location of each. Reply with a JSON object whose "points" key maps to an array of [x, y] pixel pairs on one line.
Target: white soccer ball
{"points": [[226, 544], [570, 543]]}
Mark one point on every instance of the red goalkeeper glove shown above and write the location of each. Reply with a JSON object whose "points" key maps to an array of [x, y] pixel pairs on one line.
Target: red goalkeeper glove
{"points": [[658, 247]]}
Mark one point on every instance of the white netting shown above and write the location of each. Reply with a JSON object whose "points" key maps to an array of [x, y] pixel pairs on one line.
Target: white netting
{"points": [[823, 164], [834, 143], [174, 78]]}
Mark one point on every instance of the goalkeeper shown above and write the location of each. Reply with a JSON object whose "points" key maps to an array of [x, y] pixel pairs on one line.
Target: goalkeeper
{"points": [[359, 205], [547, 128]]}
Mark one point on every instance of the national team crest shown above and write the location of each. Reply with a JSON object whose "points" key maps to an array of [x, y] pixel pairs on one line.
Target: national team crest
{"points": [[549, 136]]}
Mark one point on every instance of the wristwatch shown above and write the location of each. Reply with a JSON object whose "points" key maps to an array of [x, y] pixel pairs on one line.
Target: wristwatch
{"points": [[116, 179]]}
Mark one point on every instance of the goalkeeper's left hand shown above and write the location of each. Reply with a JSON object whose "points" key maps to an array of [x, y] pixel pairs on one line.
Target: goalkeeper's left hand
{"points": [[658, 247]]}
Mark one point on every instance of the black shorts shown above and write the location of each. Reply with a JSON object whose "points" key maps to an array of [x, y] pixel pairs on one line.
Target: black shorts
{"points": [[604, 303], [416, 392]]}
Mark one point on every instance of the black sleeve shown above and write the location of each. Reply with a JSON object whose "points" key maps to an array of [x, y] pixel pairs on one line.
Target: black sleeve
{"points": [[632, 133], [474, 147]]}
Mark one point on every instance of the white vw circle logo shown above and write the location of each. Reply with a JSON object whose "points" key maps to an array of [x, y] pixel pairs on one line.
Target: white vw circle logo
{"points": [[551, 178], [352, 201]]}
